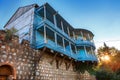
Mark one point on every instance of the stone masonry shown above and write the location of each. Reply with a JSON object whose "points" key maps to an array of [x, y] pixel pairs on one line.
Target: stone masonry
{"points": [[29, 64]]}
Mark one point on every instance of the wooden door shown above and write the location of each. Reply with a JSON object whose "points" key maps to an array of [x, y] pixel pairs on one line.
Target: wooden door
{"points": [[5, 71], [3, 77]]}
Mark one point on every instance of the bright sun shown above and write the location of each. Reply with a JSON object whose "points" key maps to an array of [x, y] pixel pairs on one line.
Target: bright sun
{"points": [[105, 58]]}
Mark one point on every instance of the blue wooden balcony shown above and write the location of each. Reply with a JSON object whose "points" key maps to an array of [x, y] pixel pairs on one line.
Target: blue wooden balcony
{"points": [[40, 41], [84, 56], [79, 56], [84, 43]]}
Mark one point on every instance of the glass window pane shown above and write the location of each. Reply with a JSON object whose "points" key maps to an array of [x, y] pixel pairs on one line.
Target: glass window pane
{"points": [[50, 34], [59, 40]]}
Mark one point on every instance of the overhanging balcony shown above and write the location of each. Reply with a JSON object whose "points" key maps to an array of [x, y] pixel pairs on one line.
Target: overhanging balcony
{"points": [[51, 25], [84, 43], [40, 43]]}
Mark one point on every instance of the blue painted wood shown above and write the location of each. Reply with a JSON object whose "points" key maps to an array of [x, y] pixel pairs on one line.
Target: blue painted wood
{"points": [[81, 55]]}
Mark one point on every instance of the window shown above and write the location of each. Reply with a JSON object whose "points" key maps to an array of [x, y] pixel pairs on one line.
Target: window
{"points": [[50, 34], [80, 49], [88, 49], [41, 12], [49, 16], [65, 27], [59, 40], [71, 33], [41, 31], [73, 48], [67, 46], [58, 20]]}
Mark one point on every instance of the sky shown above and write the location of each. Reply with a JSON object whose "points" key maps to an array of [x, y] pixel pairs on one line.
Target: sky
{"points": [[102, 17]]}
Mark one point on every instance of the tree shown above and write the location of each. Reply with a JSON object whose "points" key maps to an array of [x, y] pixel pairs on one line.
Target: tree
{"points": [[109, 63]]}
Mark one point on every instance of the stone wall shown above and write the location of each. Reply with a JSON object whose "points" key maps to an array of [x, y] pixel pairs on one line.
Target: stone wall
{"points": [[48, 71], [30, 64], [19, 56]]}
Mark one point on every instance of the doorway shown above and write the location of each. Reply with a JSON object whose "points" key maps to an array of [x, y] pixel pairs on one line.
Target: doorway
{"points": [[3, 77], [5, 72]]}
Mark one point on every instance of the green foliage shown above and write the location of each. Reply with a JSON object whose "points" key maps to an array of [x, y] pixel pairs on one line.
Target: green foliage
{"points": [[85, 66], [108, 70], [10, 33], [105, 75]]}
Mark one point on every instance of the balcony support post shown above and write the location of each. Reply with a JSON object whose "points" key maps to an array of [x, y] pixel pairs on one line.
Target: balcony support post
{"points": [[81, 34], [85, 51], [41, 53], [69, 64], [89, 36], [55, 38], [62, 26], [51, 62], [68, 31], [45, 41], [76, 49], [92, 50], [63, 43], [73, 35], [62, 61], [44, 12], [54, 17], [70, 48]]}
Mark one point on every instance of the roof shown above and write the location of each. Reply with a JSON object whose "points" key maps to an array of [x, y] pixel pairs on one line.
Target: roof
{"points": [[20, 11]]}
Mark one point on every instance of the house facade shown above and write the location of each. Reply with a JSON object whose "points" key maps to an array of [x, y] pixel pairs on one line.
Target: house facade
{"points": [[49, 34], [44, 27]]}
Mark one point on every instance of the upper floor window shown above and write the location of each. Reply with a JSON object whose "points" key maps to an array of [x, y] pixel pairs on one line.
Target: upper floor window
{"points": [[41, 12], [88, 49], [71, 33], [49, 16], [67, 46], [50, 34], [80, 49], [59, 40], [73, 48], [65, 27], [58, 20], [41, 31]]}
